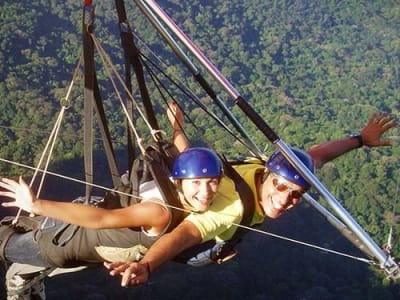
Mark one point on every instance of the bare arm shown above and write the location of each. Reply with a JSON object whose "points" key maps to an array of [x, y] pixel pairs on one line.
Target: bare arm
{"points": [[175, 117], [166, 248], [150, 214], [371, 135]]}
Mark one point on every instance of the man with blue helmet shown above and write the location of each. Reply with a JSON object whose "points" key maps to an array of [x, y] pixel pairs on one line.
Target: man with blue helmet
{"points": [[276, 187], [287, 183]]}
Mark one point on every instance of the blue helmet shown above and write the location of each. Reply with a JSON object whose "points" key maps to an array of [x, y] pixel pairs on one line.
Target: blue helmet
{"points": [[278, 164], [197, 162]]}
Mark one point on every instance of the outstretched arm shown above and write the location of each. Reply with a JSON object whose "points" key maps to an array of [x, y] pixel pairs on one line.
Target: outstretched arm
{"points": [[166, 248], [175, 117], [150, 214], [371, 136]]}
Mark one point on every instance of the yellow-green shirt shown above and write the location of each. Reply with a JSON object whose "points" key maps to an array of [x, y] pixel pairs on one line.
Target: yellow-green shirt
{"points": [[219, 221]]}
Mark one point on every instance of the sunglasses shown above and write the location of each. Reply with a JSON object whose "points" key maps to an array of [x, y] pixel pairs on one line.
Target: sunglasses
{"points": [[280, 185]]}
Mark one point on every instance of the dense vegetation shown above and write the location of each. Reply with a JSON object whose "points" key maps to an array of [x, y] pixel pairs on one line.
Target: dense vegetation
{"points": [[314, 70]]}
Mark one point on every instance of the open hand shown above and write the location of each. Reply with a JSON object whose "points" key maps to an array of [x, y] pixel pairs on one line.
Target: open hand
{"points": [[175, 115], [375, 128], [20, 192]]}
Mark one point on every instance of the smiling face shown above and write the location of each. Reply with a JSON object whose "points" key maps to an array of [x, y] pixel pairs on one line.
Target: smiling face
{"points": [[278, 195], [199, 192]]}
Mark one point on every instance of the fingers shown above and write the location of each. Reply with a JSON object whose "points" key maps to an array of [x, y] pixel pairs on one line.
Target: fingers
{"points": [[116, 267], [372, 119], [132, 273], [175, 115], [172, 108], [129, 277], [377, 125], [379, 118], [384, 123], [383, 120], [8, 184], [386, 143], [9, 191], [388, 123], [20, 192], [12, 185]]}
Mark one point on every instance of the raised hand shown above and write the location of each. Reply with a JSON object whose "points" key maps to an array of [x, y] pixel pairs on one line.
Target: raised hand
{"points": [[20, 192], [375, 128], [175, 116]]}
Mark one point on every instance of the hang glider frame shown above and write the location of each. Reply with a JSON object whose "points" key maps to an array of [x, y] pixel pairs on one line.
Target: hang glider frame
{"points": [[163, 23]]}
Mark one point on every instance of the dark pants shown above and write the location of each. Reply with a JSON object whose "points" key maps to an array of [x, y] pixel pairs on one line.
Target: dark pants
{"points": [[23, 247]]}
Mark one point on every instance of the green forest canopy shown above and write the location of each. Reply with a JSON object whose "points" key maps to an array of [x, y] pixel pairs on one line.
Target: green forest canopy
{"points": [[315, 71]]}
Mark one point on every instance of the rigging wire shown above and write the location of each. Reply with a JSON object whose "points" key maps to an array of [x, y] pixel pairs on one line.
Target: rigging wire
{"points": [[193, 97], [65, 177], [109, 66], [48, 150], [182, 87], [306, 244]]}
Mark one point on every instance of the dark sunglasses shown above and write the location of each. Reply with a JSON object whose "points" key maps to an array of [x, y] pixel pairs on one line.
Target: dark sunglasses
{"points": [[280, 185]]}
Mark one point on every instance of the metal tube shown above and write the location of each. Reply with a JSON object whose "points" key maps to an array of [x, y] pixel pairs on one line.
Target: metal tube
{"points": [[191, 47], [196, 73]]}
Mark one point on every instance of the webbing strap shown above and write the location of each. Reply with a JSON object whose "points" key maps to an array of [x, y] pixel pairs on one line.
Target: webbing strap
{"points": [[132, 58], [106, 136], [126, 37], [159, 158], [93, 101], [89, 75], [247, 197]]}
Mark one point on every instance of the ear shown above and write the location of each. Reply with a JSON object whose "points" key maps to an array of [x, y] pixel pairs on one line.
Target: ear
{"points": [[178, 182]]}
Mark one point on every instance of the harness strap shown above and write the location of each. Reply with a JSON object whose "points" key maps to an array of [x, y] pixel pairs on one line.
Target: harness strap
{"points": [[93, 101], [159, 163], [132, 59], [89, 76], [227, 250], [126, 38], [247, 197]]}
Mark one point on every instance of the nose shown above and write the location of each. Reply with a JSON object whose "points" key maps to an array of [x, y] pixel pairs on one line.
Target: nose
{"points": [[204, 188], [286, 199]]}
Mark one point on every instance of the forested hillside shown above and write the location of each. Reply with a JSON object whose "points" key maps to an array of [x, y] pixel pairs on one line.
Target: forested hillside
{"points": [[314, 70]]}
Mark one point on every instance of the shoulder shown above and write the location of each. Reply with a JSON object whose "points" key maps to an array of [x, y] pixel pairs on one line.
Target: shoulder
{"points": [[149, 190]]}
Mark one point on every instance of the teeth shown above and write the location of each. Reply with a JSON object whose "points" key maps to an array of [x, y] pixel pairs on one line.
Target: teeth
{"points": [[276, 205]]}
